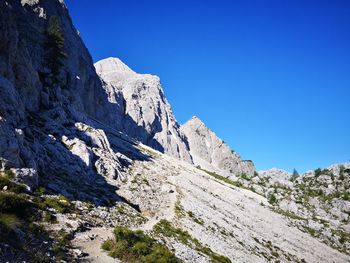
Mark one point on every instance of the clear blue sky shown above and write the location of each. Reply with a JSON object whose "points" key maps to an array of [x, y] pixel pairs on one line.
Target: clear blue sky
{"points": [[270, 77]]}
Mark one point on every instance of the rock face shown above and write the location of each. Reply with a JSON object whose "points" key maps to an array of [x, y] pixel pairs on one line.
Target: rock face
{"points": [[39, 111], [63, 133], [211, 153], [277, 176], [146, 113]]}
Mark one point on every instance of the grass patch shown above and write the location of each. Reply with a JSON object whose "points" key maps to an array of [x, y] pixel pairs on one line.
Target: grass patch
{"points": [[61, 204], [5, 181], [179, 210], [245, 177], [224, 179], [12, 203], [194, 218], [272, 199], [62, 242], [165, 228], [135, 246], [289, 214]]}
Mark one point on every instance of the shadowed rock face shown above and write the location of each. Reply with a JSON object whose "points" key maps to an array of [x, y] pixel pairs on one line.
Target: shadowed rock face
{"points": [[211, 153], [46, 126], [25, 87], [147, 114], [63, 137]]}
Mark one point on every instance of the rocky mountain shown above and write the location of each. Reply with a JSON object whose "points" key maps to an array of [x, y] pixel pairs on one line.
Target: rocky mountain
{"points": [[146, 114], [211, 153], [75, 186]]}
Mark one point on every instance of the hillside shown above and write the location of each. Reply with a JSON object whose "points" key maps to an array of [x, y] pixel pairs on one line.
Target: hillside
{"points": [[94, 167]]}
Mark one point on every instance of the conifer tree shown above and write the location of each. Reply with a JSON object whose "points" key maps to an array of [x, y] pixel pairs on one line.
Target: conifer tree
{"points": [[55, 54]]}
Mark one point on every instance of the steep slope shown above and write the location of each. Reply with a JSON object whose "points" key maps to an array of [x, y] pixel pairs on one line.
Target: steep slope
{"points": [[84, 177], [220, 218], [211, 153], [147, 115], [31, 91], [318, 201]]}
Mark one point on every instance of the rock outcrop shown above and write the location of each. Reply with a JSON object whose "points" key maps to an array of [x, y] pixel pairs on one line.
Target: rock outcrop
{"points": [[211, 153], [39, 109], [146, 113]]}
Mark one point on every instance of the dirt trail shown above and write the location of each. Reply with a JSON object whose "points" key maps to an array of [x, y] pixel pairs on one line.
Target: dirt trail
{"points": [[90, 242]]}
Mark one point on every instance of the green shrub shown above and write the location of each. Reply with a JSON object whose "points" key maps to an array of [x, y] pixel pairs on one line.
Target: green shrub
{"points": [[272, 199], [245, 177], [40, 191], [135, 246], [346, 196], [7, 173], [194, 218], [11, 203], [318, 172], [165, 228], [11, 186], [224, 179], [9, 221], [60, 204], [108, 245]]}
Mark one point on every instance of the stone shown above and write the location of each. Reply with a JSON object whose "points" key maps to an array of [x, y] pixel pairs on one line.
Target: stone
{"points": [[211, 153], [147, 115]]}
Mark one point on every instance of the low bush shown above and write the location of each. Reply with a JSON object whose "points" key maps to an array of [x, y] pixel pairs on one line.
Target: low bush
{"points": [[272, 199], [11, 203], [60, 204], [165, 228], [5, 181], [135, 246]]}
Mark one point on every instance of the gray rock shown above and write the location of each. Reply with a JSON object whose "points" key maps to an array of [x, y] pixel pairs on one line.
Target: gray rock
{"points": [[26, 176], [211, 153], [147, 115]]}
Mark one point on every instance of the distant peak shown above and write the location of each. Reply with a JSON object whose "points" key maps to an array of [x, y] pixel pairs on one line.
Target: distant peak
{"points": [[112, 65], [195, 119]]}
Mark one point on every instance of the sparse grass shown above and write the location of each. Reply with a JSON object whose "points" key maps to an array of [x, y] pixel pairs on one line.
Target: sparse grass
{"points": [[19, 228], [224, 179], [145, 181], [311, 231], [179, 210], [165, 228], [9, 221], [62, 242], [7, 173], [289, 214], [245, 177], [272, 199], [194, 218], [40, 191], [12, 203], [121, 209], [61, 204], [5, 181], [137, 247]]}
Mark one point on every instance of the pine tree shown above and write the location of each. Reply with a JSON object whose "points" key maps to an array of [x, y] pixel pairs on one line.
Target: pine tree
{"points": [[294, 176], [55, 54]]}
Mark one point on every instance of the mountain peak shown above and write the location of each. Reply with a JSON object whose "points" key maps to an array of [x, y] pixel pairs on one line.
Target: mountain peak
{"points": [[112, 65], [194, 121]]}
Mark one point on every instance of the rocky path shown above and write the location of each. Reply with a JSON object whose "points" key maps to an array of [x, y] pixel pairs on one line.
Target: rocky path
{"points": [[90, 242]]}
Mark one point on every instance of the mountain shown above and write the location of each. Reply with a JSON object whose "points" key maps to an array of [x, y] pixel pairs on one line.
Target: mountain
{"points": [[147, 115], [79, 184], [211, 153]]}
